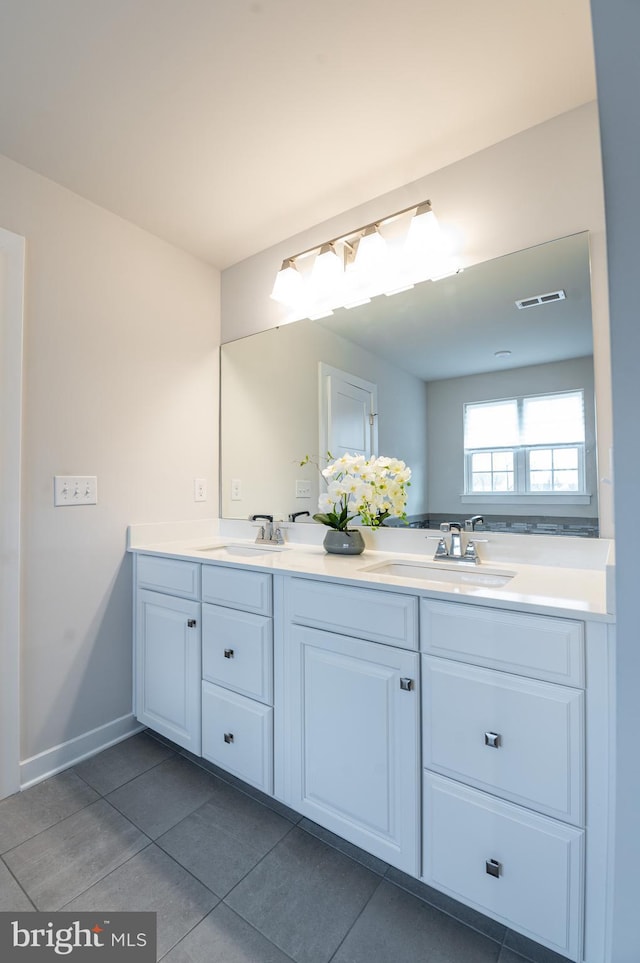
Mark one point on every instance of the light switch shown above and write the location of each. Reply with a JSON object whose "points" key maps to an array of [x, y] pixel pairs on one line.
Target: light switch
{"points": [[75, 490]]}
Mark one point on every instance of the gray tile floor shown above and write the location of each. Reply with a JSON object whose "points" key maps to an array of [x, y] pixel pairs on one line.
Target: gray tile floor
{"points": [[141, 826]]}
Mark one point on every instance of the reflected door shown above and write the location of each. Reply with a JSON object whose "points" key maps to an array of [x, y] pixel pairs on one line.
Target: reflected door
{"points": [[348, 414]]}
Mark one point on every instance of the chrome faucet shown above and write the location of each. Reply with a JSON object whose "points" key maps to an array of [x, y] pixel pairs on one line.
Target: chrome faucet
{"points": [[455, 546], [267, 534], [453, 552]]}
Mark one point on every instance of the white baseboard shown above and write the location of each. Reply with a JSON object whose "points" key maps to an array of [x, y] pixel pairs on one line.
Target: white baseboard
{"points": [[70, 753]]}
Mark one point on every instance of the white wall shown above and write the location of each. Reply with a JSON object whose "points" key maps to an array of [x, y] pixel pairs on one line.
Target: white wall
{"points": [[539, 185], [445, 402], [121, 342], [270, 416], [616, 25]]}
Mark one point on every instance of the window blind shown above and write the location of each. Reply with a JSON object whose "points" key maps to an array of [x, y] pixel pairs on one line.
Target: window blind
{"points": [[493, 424], [555, 419]]}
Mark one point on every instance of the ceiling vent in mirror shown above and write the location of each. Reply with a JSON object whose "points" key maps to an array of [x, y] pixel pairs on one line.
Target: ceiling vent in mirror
{"points": [[541, 299]]}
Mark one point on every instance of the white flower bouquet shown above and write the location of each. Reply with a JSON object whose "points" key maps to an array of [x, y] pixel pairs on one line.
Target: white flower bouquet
{"points": [[373, 489]]}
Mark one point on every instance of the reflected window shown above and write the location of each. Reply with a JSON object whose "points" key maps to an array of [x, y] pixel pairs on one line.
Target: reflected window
{"points": [[527, 445]]}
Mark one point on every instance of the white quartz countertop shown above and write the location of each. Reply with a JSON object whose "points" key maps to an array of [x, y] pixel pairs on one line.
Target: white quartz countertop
{"points": [[546, 589]]}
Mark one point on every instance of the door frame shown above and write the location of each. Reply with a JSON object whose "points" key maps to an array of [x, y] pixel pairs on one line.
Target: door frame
{"points": [[12, 253]]}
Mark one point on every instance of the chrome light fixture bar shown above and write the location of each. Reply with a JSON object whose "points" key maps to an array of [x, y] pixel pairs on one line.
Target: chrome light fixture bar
{"points": [[374, 259]]}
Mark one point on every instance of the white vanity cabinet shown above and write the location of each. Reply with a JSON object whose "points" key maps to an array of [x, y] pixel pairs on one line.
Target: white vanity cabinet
{"points": [[447, 737], [167, 649], [504, 766], [349, 715]]}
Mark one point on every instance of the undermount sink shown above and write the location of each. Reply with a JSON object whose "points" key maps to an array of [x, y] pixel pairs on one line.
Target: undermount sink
{"points": [[236, 551], [433, 573]]}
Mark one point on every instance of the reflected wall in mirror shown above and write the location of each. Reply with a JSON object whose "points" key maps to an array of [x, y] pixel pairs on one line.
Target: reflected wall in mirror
{"points": [[428, 352]]}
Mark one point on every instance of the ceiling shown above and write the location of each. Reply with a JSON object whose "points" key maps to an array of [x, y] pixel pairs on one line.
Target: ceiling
{"points": [[226, 126], [453, 327]]}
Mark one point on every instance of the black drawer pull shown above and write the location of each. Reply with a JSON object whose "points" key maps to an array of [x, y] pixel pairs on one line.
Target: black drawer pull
{"points": [[228, 653], [191, 623], [493, 867], [228, 737]]}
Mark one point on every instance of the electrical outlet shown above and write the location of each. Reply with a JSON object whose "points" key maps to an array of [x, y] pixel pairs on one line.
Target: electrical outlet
{"points": [[303, 489], [236, 490], [199, 489], [75, 490]]}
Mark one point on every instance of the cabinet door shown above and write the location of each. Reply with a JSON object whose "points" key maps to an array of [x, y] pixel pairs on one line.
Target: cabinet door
{"points": [[168, 686], [352, 720]]}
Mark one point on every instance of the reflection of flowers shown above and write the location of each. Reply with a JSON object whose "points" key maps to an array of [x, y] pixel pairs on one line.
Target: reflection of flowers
{"points": [[374, 489]]}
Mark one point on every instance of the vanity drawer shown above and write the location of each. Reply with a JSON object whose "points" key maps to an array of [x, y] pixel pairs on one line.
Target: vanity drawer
{"points": [[238, 589], [470, 836], [168, 575], [515, 737], [237, 735], [538, 646], [359, 612], [237, 651]]}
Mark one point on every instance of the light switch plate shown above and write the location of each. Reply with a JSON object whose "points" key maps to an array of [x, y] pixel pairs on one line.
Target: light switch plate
{"points": [[75, 490], [303, 489]]}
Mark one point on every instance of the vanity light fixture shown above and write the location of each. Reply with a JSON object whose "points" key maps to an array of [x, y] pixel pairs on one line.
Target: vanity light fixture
{"points": [[349, 270], [289, 286]]}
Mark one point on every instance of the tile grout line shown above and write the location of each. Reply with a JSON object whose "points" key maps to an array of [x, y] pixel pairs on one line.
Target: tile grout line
{"points": [[177, 861], [17, 881], [249, 871], [57, 823], [229, 908], [168, 828], [103, 795], [381, 880], [106, 876]]}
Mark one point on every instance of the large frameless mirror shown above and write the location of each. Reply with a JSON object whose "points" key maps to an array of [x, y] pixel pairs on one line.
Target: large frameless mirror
{"points": [[481, 382]]}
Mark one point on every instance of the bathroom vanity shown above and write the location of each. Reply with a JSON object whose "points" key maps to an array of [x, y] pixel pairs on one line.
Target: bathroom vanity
{"points": [[453, 721]]}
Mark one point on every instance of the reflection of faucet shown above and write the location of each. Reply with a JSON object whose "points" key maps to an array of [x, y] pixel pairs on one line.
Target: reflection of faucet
{"points": [[470, 523], [294, 515]]}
